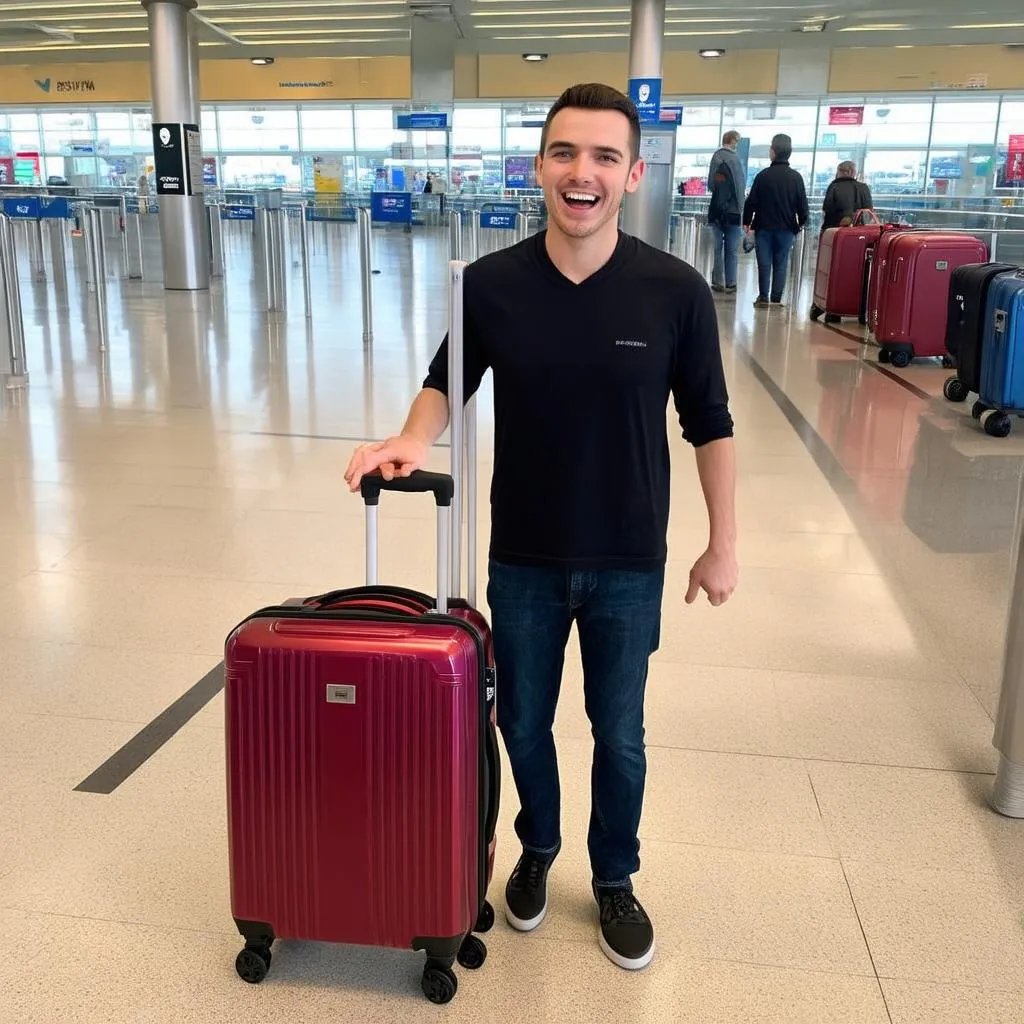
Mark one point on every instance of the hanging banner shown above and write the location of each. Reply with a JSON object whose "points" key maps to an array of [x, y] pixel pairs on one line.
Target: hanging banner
{"points": [[845, 115], [326, 174], [1015, 161]]}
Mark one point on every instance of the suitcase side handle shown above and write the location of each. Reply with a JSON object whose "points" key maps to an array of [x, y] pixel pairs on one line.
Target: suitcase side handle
{"points": [[420, 481]]}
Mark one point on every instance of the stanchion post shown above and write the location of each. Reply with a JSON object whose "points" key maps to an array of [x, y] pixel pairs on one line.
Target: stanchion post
{"points": [[522, 227], [123, 232], [307, 291], [12, 326], [216, 240], [454, 235], [57, 230], [365, 261], [97, 262], [136, 270], [35, 233], [474, 234], [1008, 791]]}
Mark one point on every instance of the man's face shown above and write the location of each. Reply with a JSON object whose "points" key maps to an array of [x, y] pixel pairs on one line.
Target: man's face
{"points": [[585, 169]]}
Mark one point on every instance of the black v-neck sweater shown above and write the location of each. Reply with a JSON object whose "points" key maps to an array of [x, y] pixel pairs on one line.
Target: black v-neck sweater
{"points": [[582, 377]]}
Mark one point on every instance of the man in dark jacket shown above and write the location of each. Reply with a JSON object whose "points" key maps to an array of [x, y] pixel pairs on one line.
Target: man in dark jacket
{"points": [[845, 196], [776, 211], [726, 183]]}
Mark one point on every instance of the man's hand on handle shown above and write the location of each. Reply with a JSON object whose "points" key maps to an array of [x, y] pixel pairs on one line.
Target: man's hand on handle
{"points": [[397, 456], [716, 573]]}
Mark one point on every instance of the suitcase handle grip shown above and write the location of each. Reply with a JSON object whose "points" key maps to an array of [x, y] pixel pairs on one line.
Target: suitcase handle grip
{"points": [[418, 482]]}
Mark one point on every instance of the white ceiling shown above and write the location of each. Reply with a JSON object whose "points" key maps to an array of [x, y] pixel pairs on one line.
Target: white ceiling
{"points": [[47, 31]]}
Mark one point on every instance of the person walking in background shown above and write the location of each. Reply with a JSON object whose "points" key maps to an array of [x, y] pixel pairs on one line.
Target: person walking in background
{"points": [[845, 197], [776, 211], [726, 185]]}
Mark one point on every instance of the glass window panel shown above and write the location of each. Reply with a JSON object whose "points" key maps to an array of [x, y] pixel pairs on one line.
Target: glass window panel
{"points": [[259, 130], [477, 127], [522, 140], [261, 171], [704, 115], [895, 172], [689, 137], [960, 122]]}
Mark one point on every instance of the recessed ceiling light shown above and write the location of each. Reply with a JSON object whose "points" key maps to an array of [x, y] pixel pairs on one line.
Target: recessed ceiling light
{"points": [[535, 58], [262, 61], [709, 54]]}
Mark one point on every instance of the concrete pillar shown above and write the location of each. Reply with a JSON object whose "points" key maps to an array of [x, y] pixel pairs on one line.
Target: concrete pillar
{"points": [[646, 213], [177, 152]]}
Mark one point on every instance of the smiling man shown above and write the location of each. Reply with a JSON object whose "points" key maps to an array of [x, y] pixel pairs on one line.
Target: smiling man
{"points": [[588, 332]]}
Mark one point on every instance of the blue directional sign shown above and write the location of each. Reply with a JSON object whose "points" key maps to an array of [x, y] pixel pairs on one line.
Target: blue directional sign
{"points": [[646, 95], [330, 213], [23, 208], [55, 208], [391, 207], [506, 221], [423, 121], [238, 213]]}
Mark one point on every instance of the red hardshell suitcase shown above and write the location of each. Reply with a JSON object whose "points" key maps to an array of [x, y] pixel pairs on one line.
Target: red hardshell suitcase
{"points": [[915, 292], [362, 760], [839, 275]]}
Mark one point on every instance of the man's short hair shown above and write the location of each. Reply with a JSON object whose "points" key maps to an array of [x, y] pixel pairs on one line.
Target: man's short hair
{"points": [[595, 96], [730, 137], [847, 169], [783, 146]]}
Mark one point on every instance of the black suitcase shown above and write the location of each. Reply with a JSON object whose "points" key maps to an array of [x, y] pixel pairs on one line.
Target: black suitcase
{"points": [[965, 321]]}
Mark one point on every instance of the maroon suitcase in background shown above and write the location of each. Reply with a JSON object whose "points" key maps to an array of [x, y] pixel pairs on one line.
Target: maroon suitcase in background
{"points": [[839, 279], [915, 292], [362, 762]]}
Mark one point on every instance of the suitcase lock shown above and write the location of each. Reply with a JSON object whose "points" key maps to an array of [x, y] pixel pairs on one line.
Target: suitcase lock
{"points": [[341, 694], [1000, 321]]}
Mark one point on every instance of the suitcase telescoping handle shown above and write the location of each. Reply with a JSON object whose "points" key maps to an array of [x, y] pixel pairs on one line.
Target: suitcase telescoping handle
{"points": [[442, 486], [462, 435]]}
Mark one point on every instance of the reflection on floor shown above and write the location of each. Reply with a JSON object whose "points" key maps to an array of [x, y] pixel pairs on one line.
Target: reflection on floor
{"points": [[816, 843]]}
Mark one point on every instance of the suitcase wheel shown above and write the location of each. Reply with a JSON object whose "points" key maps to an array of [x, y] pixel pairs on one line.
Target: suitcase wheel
{"points": [[996, 424], [485, 922], [900, 358], [947, 362], [253, 963], [472, 953], [816, 312], [439, 984], [884, 355], [953, 390]]}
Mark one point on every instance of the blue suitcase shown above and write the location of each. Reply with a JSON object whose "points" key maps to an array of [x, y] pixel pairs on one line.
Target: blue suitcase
{"points": [[1002, 355]]}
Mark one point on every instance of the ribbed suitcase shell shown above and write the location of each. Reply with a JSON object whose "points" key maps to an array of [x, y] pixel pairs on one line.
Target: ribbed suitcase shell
{"points": [[1002, 352], [965, 318], [839, 275], [915, 294], [356, 822]]}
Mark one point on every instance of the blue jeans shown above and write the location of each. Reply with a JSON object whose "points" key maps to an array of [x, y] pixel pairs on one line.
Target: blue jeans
{"points": [[618, 616], [773, 251], [727, 253]]}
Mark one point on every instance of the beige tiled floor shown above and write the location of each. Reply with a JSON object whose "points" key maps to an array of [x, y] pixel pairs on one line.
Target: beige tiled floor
{"points": [[817, 845]]}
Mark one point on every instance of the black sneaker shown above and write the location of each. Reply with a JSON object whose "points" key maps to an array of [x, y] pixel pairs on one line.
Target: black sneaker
{"points": [[526, 894], [627, 935]]}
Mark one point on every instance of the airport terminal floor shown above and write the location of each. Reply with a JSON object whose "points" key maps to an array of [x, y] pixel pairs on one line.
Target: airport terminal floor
{"points": [[816, 842]]}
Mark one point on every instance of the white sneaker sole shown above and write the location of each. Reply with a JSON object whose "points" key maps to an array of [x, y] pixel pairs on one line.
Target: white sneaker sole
{"points": [[621, 961], [526, 926]]}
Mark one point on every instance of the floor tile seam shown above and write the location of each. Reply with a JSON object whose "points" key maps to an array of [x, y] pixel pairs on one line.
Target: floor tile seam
{"points": [[848, 673], [812, 760], [864, 936], [126, 922]]}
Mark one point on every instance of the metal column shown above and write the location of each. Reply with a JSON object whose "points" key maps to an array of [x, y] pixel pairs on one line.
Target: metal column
{"points": [[646, 212], [12, 328], [57, 229], [454, 235], [1008, 792], [174, 74]]}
